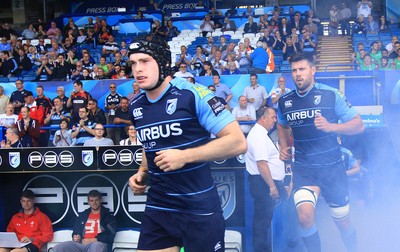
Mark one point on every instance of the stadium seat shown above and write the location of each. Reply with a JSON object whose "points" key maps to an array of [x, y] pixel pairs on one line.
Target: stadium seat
{"points": [[233, 241], [58, 237], [125, 241]]}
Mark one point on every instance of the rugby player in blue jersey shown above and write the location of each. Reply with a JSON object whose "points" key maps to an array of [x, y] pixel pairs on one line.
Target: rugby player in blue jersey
{"points": [[174, 120], [313, 111]]}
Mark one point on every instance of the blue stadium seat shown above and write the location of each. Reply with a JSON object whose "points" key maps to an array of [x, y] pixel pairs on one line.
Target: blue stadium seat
{"points": [[3, 79]]}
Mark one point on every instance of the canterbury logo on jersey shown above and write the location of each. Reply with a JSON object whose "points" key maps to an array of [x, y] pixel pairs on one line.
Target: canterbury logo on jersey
{"points": [[299, 115], [137, 113], [160, 131]]}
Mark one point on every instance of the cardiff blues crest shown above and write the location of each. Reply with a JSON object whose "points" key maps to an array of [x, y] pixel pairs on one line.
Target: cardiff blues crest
{"points": [[225, 183], [87, 157], [171, 106], [317, 99], [14, 159]]}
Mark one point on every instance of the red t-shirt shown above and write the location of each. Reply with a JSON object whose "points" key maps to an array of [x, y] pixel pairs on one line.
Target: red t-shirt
{"points": [[92, 226]]}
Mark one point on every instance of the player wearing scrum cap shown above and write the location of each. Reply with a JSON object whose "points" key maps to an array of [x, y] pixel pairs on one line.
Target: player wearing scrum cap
{"points": [[174, 119]]}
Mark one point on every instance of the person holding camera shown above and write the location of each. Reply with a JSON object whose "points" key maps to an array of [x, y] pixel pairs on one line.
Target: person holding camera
{"points": [[207, 25], [62, 69], [62, 137], [45, 70]]}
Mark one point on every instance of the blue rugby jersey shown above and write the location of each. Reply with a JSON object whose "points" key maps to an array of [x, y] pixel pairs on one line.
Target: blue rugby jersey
{"points": [[182, 117], [314, 147]]}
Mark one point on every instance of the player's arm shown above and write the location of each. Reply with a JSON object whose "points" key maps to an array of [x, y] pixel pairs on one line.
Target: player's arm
{"points": [[138, 180], [230, 141], [351, 127], [284, 140]]}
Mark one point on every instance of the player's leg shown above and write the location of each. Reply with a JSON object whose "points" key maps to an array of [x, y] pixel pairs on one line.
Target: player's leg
{"points": [[305, 199], [201, 233]]}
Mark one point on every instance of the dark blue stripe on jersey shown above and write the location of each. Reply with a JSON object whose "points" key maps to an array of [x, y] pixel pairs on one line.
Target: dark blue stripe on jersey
{"points": [[187, 194], [177, 171], [168, 121]]}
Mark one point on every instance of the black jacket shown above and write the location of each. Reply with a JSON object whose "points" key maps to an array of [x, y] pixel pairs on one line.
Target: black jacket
{"points": [[107, 224]]}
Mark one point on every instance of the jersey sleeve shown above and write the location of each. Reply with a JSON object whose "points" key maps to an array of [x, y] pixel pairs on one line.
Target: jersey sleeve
{"points": [[281, 118], [210, 111], [343, 107]]}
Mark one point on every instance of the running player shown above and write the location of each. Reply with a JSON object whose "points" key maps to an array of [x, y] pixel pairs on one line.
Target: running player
{"points": [[313, 112], [174, 119]]}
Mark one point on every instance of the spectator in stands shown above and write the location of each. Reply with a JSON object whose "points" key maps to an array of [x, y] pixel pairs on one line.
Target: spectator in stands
{"points": [[250, 26], [259, 59], [198, 57], [29, 129], [311, 26], [208, 69], [221, 90], [70, 38], [29, 33], [230, 49], [4, 99], [68, 45], [8, 118], [104, 24], [41, 47], [30, 225], [215, 15], [93, 73], [200, 5], [158, 30], [139, 15], [82, 130], [91, 238], [76, 73], [17, 97], [359, 26], [13, 140], [45, 70], [364, 8], [112, 103], [232, 10], [101, 75], [393, 54], [390, 46], [89, 26], [119, 60], [263, 22], [271, 58], [183, 73], [42, 100], [9, 66], [344, 15], [383, 25], [98, 140], [284, 28], [207, 25], [248, 12], [243, 54], [123, 50], [375, 54], [61, 95], [56, 48], [36, 112], [57, 113], [244, 112], [256, 94], [62, 69], [78, 98], [279, 91], [62, 137], [103, 35], [396, 61], [87, 61], [214, 50], [231, 69], [41, 32], [218, 64], [103, 64], [120, 75], [289, 48], [132, 139], [278, 43], [135, 92], [315, 19], [267, 38], [110, 47], [228, 25], [96, 114], [308, 42], [367, 63], [296, 23], [71, 30], [386, 64], [90, 38], [81, 38], [222, 42], [372, 27], [122, 117], [53, 32], [8, 32], [333, 21], [207, 47], [85, 75], [171, 31], [183, 57], [34, 56], [4, 45], [24, 63]]}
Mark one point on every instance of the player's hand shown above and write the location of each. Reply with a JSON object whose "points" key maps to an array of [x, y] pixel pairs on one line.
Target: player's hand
{"points": [[169, 160], [138, 182], [26, 239], [274, 193], [321, 123], [285, 154], [76, 238]]}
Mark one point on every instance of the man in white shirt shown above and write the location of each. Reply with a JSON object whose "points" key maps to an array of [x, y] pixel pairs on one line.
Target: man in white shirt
{"points": [[3, 100], [8, 119], [267, 172], [244, 113], [183, 73], [279, 91], [256, 95]]}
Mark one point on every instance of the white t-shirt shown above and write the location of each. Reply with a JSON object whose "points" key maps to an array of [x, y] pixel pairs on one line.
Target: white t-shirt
{"points": [[261, 148], [248, 111], [8, 121]]}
